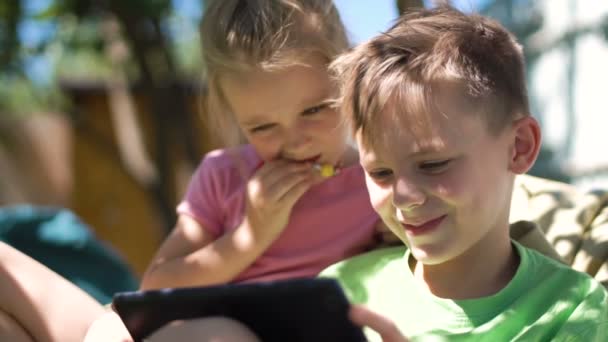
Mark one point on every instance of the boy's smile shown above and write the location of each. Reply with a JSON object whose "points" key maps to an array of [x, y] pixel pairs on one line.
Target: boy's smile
{"points": [[440, 181], [416, 229]]}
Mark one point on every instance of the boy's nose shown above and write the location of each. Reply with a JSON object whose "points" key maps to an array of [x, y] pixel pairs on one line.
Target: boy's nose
{"points": [[407, 196]]}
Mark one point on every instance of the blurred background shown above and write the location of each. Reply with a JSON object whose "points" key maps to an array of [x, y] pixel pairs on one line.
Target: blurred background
{"points": [[101, 102]]}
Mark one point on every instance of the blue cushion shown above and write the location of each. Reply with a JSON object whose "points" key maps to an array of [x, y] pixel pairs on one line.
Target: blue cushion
{"points": [[61, 241]]}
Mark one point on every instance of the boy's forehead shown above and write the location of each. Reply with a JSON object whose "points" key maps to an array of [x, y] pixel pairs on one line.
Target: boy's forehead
{"points": [[429, 126], [422, 106], [394, 134], [398, 118]]}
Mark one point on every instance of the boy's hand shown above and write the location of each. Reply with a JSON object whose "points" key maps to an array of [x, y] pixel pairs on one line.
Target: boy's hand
{"points": [[272, 192], [387, 330]]}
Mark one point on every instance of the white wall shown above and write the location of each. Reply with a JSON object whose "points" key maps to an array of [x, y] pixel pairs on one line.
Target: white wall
{"points": [[550, 82]]}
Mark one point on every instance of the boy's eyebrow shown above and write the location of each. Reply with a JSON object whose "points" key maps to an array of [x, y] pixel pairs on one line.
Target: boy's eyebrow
{"points": [[373, 157], [427, 150]]}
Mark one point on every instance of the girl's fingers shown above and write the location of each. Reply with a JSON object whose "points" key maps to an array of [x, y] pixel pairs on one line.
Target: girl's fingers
{"points": [[276, 183], [272, 172], [276, 168], [296, 190], [283, 189], [387, 330]]}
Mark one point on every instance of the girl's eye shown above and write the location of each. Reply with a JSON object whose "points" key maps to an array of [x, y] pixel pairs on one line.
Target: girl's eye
{"points": [[314, 110], [261, 128], [381, 174], [435, 166]]}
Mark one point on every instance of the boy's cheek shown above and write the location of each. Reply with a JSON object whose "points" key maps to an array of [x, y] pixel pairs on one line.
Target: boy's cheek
{"points": [[385, 236], [380, 198]]}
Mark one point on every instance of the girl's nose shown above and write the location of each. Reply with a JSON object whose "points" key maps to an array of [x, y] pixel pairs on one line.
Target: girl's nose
{"points": [[297, 142]]}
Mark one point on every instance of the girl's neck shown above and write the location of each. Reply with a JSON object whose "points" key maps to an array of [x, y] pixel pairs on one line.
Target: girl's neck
{"points": [[482, 271]]}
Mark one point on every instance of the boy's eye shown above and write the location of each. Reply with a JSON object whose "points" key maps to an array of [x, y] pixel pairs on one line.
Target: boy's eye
{"points": [[435, 166], [262, 128], [381, 174], [314, 110]]}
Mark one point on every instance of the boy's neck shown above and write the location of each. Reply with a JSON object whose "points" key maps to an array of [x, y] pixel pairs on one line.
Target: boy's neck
{"points": [[482, 271]]}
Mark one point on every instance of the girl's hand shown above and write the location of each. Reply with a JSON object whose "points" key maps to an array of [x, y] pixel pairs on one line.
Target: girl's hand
{"points": [[271, 194], [387, 330]]}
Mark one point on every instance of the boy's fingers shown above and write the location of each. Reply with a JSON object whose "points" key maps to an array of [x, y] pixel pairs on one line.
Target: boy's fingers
{"points": [[387, 330]]}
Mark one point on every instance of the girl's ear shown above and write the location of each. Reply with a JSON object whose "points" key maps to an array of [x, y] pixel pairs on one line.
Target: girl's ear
{"points": [[526, 145]]}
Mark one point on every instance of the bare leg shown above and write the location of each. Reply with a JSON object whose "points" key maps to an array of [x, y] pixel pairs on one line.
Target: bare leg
{"points": [[108, 327], [212, 329], [44, 304], [10, 330]]}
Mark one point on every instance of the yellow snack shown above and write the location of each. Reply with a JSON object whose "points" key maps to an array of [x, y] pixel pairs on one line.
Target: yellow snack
{"points": [[326, 170]]}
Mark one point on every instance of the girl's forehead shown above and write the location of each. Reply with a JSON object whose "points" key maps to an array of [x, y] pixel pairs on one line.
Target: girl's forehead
{"points": [[262, 93]]}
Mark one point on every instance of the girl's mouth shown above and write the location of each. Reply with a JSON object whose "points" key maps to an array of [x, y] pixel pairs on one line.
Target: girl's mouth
{"points": [[311, 160]]}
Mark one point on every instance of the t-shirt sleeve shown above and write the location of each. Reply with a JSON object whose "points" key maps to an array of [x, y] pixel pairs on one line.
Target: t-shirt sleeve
{"points": [[203, 197], [589, 320]]}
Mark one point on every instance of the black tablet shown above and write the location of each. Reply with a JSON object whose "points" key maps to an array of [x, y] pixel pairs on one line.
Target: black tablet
{"points": [[311, 309]]}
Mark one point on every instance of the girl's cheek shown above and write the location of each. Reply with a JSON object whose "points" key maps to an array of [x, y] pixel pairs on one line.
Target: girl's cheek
{"points": [[268, 147]]}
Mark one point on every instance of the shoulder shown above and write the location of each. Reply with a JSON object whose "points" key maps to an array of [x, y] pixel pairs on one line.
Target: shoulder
{"points": [[224, 169], [243, 156], [549, 271], [228, 163]]}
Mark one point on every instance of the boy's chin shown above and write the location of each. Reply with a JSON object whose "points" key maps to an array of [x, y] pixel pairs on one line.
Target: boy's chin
{"points": [[426, 257]]}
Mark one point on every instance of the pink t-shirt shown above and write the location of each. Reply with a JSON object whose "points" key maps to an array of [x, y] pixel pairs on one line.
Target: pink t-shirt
{"points": [[330, 222]]}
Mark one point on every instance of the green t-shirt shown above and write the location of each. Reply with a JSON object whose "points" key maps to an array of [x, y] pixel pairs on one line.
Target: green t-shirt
{"points": [[545, 301]]}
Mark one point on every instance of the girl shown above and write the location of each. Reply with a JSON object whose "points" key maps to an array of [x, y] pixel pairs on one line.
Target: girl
{"points": [[263, 210]]}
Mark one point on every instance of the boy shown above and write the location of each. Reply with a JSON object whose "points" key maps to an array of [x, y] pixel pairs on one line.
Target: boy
{"points": [[441, 117]]}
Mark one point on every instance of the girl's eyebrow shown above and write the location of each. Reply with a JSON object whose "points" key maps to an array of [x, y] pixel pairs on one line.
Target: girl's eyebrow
{"points": [[255, 120], [323, 95]]}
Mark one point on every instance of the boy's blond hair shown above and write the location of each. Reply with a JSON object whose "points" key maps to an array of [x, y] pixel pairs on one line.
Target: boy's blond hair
{"points": [[425, 52], [244, 35]]}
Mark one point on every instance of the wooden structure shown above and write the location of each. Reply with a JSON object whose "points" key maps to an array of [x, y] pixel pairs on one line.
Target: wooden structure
{"points": [[121, 210]]}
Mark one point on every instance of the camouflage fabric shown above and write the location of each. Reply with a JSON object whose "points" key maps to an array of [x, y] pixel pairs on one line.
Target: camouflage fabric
{"points": [[574, 222]]}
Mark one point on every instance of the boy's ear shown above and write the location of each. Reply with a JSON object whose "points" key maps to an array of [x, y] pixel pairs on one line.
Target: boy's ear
{"points": [[526, 144]]}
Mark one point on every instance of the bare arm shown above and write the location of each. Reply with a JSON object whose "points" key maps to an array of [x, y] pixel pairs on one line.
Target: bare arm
{"points": [[190, 256]]}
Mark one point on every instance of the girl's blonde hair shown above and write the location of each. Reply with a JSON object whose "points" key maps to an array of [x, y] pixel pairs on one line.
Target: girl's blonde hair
{"points": [[242, 35]]}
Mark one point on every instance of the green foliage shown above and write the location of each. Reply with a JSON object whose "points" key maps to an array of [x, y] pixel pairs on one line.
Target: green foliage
{"points": [[19, 97], [58, 8], [10, 14], [75, 50], [146, 8]]}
